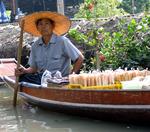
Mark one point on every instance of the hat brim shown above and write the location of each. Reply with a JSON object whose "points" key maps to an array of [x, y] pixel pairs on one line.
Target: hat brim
{"points": [[61, 23]]}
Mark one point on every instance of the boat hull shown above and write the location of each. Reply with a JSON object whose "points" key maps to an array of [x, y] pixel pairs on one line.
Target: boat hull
{"points": [[133, 105], [127, 113]]}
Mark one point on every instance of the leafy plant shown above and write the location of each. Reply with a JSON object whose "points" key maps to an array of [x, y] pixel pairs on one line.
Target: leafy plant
{"points": [[127, 46], [99, 8], [139, 5]]}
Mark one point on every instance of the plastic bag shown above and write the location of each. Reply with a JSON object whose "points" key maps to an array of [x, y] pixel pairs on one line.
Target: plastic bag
{"points": [[58, 75], [46, 75]]}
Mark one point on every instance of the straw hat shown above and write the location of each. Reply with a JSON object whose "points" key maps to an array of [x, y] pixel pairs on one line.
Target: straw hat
{"points": [[61, 22]]}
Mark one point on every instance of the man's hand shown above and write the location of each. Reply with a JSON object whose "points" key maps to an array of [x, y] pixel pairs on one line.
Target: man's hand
{"points": [[21, 70]]}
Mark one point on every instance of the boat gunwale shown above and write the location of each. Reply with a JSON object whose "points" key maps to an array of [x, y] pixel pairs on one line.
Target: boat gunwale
{"points": [[36, 86]]}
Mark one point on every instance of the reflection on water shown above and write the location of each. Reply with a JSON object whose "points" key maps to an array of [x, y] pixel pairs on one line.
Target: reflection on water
{"points": [[33, 119]]}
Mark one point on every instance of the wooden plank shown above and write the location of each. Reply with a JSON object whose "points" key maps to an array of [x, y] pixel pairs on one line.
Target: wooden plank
{"points": [[7, 67]]}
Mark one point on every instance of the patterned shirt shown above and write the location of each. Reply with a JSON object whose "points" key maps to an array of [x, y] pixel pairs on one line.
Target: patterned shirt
{"points": [[55, 56]]}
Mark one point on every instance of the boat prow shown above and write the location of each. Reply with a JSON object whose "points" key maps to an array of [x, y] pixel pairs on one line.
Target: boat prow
{"points": [[7, 67]]}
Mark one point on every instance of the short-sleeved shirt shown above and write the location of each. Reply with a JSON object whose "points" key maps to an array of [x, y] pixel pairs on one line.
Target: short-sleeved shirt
{"points": [[55, 56]]}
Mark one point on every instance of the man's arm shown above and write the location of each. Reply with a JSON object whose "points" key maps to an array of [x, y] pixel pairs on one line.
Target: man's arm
{"points": [[30, 70], [22, 70], [77, 65]]}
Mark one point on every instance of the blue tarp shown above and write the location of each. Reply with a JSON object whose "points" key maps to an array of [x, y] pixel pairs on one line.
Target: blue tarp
{"points": [[3, 15]]}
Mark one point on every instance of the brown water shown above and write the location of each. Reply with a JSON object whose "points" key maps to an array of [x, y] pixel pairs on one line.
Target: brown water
{"points": [[34, 119]]}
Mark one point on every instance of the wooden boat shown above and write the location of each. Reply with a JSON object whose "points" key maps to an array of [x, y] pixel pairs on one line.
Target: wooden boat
{"points": [[126, 105]]}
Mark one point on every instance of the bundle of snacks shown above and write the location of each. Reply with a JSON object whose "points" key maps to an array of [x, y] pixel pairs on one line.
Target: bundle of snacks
{"points": [[108, 79]]}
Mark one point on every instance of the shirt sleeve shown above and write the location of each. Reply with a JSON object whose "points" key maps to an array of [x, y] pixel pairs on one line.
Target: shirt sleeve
{"points": [[71, 50], [32, 58]]}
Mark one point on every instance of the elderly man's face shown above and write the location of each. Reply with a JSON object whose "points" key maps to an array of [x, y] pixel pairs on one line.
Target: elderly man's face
{"points": [[45, 27]]}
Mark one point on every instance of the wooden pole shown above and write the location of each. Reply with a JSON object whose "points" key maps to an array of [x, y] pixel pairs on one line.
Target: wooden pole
{"points": [[13, 10], [18, 64], [97, 60], [14, 7], [60, 6], [133, 6], [44, 8]]}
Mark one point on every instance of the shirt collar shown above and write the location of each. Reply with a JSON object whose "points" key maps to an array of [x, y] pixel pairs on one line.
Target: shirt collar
{"points": [[52, 40]]}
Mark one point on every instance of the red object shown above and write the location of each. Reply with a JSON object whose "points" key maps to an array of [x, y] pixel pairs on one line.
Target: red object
{"points": [[90, 6], [102, 57]]}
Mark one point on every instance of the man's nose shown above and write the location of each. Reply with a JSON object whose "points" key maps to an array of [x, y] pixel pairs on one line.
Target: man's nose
{"points": [[43, 25]]}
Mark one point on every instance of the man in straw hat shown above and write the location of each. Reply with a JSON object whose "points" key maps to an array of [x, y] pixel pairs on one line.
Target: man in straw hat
{"points": [[52, 51]]}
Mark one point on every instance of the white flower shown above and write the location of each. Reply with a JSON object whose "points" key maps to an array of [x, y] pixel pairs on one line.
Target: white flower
{"points": [[139, 27]]}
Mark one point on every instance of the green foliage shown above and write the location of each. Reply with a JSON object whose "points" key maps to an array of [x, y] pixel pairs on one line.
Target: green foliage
{"points": [[128, 46], [79, 37], [139, 6], [99, 8], [8, 12], [91, 38]]}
